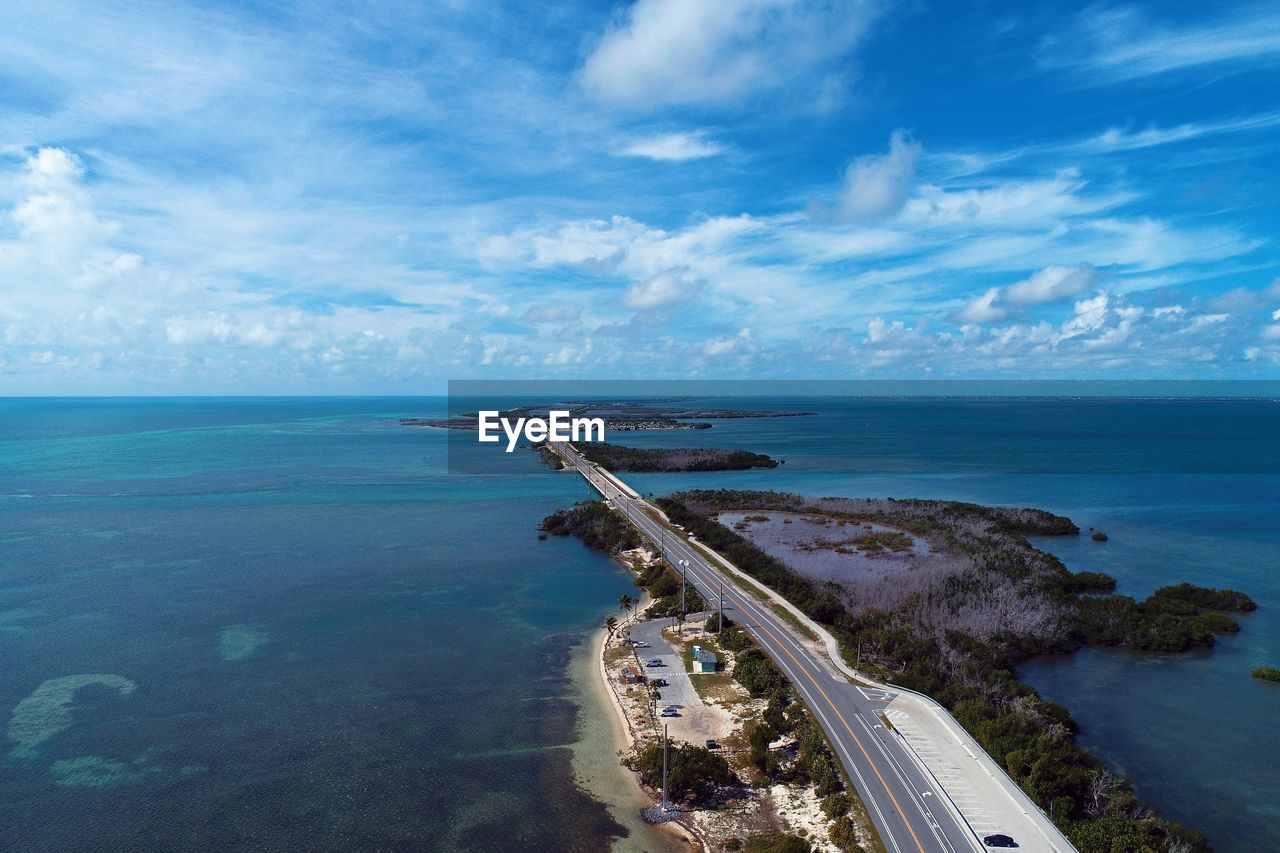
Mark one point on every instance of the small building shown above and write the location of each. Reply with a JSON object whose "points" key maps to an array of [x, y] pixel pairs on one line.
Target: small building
{"points": [[629, 676], [703, 660]]}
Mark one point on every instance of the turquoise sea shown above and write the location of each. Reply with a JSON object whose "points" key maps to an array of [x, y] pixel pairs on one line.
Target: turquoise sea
{"points": [[291, 628]]}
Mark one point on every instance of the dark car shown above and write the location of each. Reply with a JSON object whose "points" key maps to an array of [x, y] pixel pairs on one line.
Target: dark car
{"points": [[998, 840], [659, 682]]}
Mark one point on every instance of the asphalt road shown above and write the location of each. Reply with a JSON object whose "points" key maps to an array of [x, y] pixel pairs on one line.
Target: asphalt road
{"points": [[679, 690], [906, 810]]}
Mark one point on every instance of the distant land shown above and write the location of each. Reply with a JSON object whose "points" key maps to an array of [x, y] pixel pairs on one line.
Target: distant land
{"points": [[653, 459], [619, 416]]}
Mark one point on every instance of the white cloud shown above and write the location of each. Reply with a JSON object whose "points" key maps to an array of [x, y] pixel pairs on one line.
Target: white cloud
{"points": [[727, 345], [877, 185], [55, 219], [713, 52], [1089, 315], [552, 312], [662, 290], [982, 309], [204, 328], [1051, 284], [1122, 44], [673, 147], [1120, 139]]}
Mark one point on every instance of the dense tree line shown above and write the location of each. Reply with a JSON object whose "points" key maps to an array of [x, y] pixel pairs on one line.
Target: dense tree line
{"points": [[615, 457], [664, 584], [595, 524]]}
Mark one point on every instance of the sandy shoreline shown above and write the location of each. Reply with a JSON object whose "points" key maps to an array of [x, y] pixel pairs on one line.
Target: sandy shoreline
{"points": [[606, 736]]}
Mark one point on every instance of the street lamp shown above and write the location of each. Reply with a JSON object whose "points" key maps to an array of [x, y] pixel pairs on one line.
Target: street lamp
{"points": [[684, 578]]}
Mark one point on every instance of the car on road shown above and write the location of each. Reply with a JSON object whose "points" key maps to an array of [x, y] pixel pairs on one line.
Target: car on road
{"points": [[669, 712], [659, 682], [640, 644], [672, 708], [654, 662], [999, 839]]}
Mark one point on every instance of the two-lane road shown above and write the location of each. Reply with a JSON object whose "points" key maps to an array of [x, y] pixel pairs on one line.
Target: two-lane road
{"points": [[903, 802]]}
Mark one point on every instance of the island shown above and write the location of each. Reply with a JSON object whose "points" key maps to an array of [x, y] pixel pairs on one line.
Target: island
{"points": [[618, 415], [1267, 673], [943, 597], [615, 457]]}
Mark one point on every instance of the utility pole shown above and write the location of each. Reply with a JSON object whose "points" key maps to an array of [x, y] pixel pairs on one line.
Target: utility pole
{"points": [[664, 769]]}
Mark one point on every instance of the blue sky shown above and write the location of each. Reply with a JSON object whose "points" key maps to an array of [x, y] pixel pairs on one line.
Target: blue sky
{"points": [[374, 198]]}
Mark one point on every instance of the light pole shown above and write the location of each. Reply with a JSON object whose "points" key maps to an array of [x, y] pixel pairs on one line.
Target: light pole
{"points": [[684, 578], [665, 807]]}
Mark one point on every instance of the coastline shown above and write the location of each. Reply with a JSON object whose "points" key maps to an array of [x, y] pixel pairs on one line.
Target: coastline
{"points": [[605, 735]]}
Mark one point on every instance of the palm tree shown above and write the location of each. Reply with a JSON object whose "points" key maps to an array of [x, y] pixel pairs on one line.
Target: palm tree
{"points": [[610, 625], [626, 603]]}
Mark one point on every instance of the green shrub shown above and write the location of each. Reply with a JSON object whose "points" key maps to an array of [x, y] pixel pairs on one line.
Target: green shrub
{"points": [[836, 805], [693, 771], [777, 842], [757, 673], [844, 835]]}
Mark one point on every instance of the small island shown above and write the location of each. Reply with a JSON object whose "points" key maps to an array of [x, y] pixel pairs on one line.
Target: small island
{"points": [[618, 458], [618, 416], [1267, 673]]}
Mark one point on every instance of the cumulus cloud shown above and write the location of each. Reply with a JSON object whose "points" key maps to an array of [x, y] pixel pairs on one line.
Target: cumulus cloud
{"points": [[728, 345], [1051, 284], [711, 52], [982, 309], [661, 291], [877, 185], [673, 147], [1054, 283], [55, 219]]}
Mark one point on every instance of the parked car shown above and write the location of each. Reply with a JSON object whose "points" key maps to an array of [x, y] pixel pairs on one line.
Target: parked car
{"points": [[999, 840], [711, 744], [640, 644], [672, 708], [658, 682], [669, 712], [654, 662]]}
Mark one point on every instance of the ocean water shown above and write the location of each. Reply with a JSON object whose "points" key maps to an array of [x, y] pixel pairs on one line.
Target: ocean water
{"points": [[333, 643]]}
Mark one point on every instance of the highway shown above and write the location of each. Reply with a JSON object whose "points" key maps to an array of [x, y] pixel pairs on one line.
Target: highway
{"points": [[906, 809]]}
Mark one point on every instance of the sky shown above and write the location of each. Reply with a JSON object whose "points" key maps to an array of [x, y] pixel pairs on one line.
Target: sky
{"points": [[314, 197]]}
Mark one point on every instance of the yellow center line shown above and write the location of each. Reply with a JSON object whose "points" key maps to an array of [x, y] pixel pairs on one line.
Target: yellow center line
{"points": [[849, 729], [906, 822]]}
